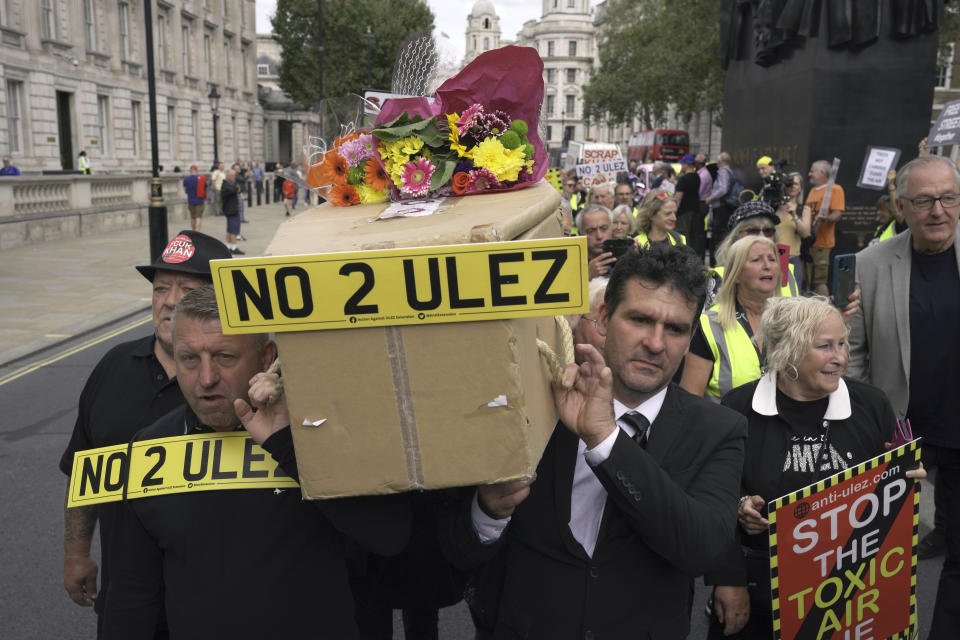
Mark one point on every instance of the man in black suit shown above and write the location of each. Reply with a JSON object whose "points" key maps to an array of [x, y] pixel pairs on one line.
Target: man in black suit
{"points": [[636, 492]]}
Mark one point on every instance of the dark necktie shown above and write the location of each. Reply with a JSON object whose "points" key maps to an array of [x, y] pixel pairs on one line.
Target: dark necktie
{"points": [[639, 422]]}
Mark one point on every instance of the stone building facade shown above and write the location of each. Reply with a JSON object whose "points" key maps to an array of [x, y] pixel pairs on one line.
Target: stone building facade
{"points": [[565, 38], [483, 30], [73, 77], [286, 124]]}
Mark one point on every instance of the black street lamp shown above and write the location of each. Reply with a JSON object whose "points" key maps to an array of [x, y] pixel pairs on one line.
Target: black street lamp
{"points": [[157, 211], [214, 98], [368, 38], [563, 130]]}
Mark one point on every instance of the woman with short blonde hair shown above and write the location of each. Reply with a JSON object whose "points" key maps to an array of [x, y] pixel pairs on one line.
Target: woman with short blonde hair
{"points": [[805, 423]]}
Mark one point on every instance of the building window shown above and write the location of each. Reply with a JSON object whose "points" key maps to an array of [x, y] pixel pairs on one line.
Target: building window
{"points": [[571, 76], [162, 40], [549, 133], [136, 125], [263, 69], [102, 120], [243, 59], [945, 72], [3, 12], [226, 7], [90, 25], [194, 133], [486, 44], [551, 76], [570, 3], [124, 14], [249, 139], [185, 46], [569, 133], [226, 61], [570, 105], [572, 46], [15, 115], [549, 48], [243, 16], [551, 104], [48, 20], [172, 127], [207, 59], [486, 23]]}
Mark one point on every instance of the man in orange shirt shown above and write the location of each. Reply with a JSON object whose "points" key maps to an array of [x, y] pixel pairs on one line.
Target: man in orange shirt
{"points": [[824, 224]]}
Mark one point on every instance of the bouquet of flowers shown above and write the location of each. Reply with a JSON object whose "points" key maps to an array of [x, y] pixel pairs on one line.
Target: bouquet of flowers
{"points": [[477, 134], [349, 172], [453, 153]]}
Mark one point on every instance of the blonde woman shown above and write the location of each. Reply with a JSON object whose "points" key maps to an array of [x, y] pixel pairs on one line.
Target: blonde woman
{"points": [[800, 410], [624, 225], [657, 220], [722, 353]]}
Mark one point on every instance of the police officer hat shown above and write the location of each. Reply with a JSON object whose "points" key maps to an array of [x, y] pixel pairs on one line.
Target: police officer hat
{"points": [[189, 252], [752, 209]]}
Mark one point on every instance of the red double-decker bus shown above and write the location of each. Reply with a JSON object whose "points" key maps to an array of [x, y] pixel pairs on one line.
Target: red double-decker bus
{"points": [[658, 144]]}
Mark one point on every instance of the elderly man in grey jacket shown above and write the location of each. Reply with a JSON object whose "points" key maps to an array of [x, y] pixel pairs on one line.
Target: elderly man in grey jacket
{"points": [[905, 340]]}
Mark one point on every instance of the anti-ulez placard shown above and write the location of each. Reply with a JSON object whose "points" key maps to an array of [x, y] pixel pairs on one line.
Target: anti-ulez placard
{"points": [[178, 464], [453, 283], [842, 553]]}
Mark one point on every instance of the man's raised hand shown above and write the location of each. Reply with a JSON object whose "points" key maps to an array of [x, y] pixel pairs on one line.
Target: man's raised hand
{"points": [[584, 400]]}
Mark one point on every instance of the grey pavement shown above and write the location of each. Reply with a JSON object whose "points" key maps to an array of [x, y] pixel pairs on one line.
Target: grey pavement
{"points": [[54, 291]]}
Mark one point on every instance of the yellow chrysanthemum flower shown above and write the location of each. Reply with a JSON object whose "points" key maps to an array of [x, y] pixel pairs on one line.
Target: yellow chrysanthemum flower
{"points": [[410, 145], [454, 137], [504, 163], [369, 195]]}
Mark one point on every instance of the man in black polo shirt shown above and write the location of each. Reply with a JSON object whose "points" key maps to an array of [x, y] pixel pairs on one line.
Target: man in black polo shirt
{"points": [[130, 388], [241, 563]]}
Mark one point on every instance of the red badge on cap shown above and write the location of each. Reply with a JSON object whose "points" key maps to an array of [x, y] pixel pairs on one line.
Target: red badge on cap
{"points": [[179, 250]]}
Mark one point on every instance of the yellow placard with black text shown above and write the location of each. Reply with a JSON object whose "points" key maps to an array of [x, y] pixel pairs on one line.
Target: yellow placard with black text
{"points": [[178, 464], [454, 283]]}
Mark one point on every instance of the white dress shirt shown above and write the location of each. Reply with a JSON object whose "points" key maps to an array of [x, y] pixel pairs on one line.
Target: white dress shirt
{"points": [[588, 496]]}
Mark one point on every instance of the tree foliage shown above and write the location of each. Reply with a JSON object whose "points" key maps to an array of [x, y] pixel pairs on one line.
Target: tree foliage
{"points": [[344, 48], [656, 55]]}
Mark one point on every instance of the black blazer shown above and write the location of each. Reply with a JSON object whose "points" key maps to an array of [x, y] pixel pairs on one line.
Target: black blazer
{"points": [[670, 513]]}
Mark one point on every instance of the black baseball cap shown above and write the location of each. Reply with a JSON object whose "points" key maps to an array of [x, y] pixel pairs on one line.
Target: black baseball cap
{"points": [[189, 252], [753, 209]]}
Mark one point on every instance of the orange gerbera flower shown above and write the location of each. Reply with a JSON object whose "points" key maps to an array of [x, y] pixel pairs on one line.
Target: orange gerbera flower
{"points": [[376, 177], [343, 195], [334, 168], [347, 138], [315, 176]]}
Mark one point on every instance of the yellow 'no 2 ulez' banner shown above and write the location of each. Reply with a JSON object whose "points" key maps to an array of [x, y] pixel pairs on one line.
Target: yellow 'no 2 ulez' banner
{"points": [[455, 283]]}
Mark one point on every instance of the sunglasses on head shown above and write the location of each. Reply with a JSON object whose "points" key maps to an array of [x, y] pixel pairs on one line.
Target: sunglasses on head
{"points": [[754, 231]]}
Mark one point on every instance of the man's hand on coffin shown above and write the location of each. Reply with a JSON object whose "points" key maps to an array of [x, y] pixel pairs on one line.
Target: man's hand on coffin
{"points": [[261, 417]]}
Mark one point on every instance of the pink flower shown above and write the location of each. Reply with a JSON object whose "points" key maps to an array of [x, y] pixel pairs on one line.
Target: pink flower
{"points": [[482, 179], [355, 152], [469, 118], [368, 143], [416, 177]]}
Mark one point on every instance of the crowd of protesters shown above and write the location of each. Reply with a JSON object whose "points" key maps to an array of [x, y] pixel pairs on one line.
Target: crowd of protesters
{"points": [[702, 367]]}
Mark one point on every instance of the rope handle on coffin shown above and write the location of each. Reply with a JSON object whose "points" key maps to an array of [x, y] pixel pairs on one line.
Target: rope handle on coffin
{"points": [[558, 361]]}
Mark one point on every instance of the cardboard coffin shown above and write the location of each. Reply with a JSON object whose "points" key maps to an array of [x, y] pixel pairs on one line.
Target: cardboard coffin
{"points": [[431, 406]]}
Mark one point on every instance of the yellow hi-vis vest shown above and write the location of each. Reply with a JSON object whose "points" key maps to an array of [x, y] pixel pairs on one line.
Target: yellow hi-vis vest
{"points": [[735, 360], [673, 236], [889, 232], [789, 291]]}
